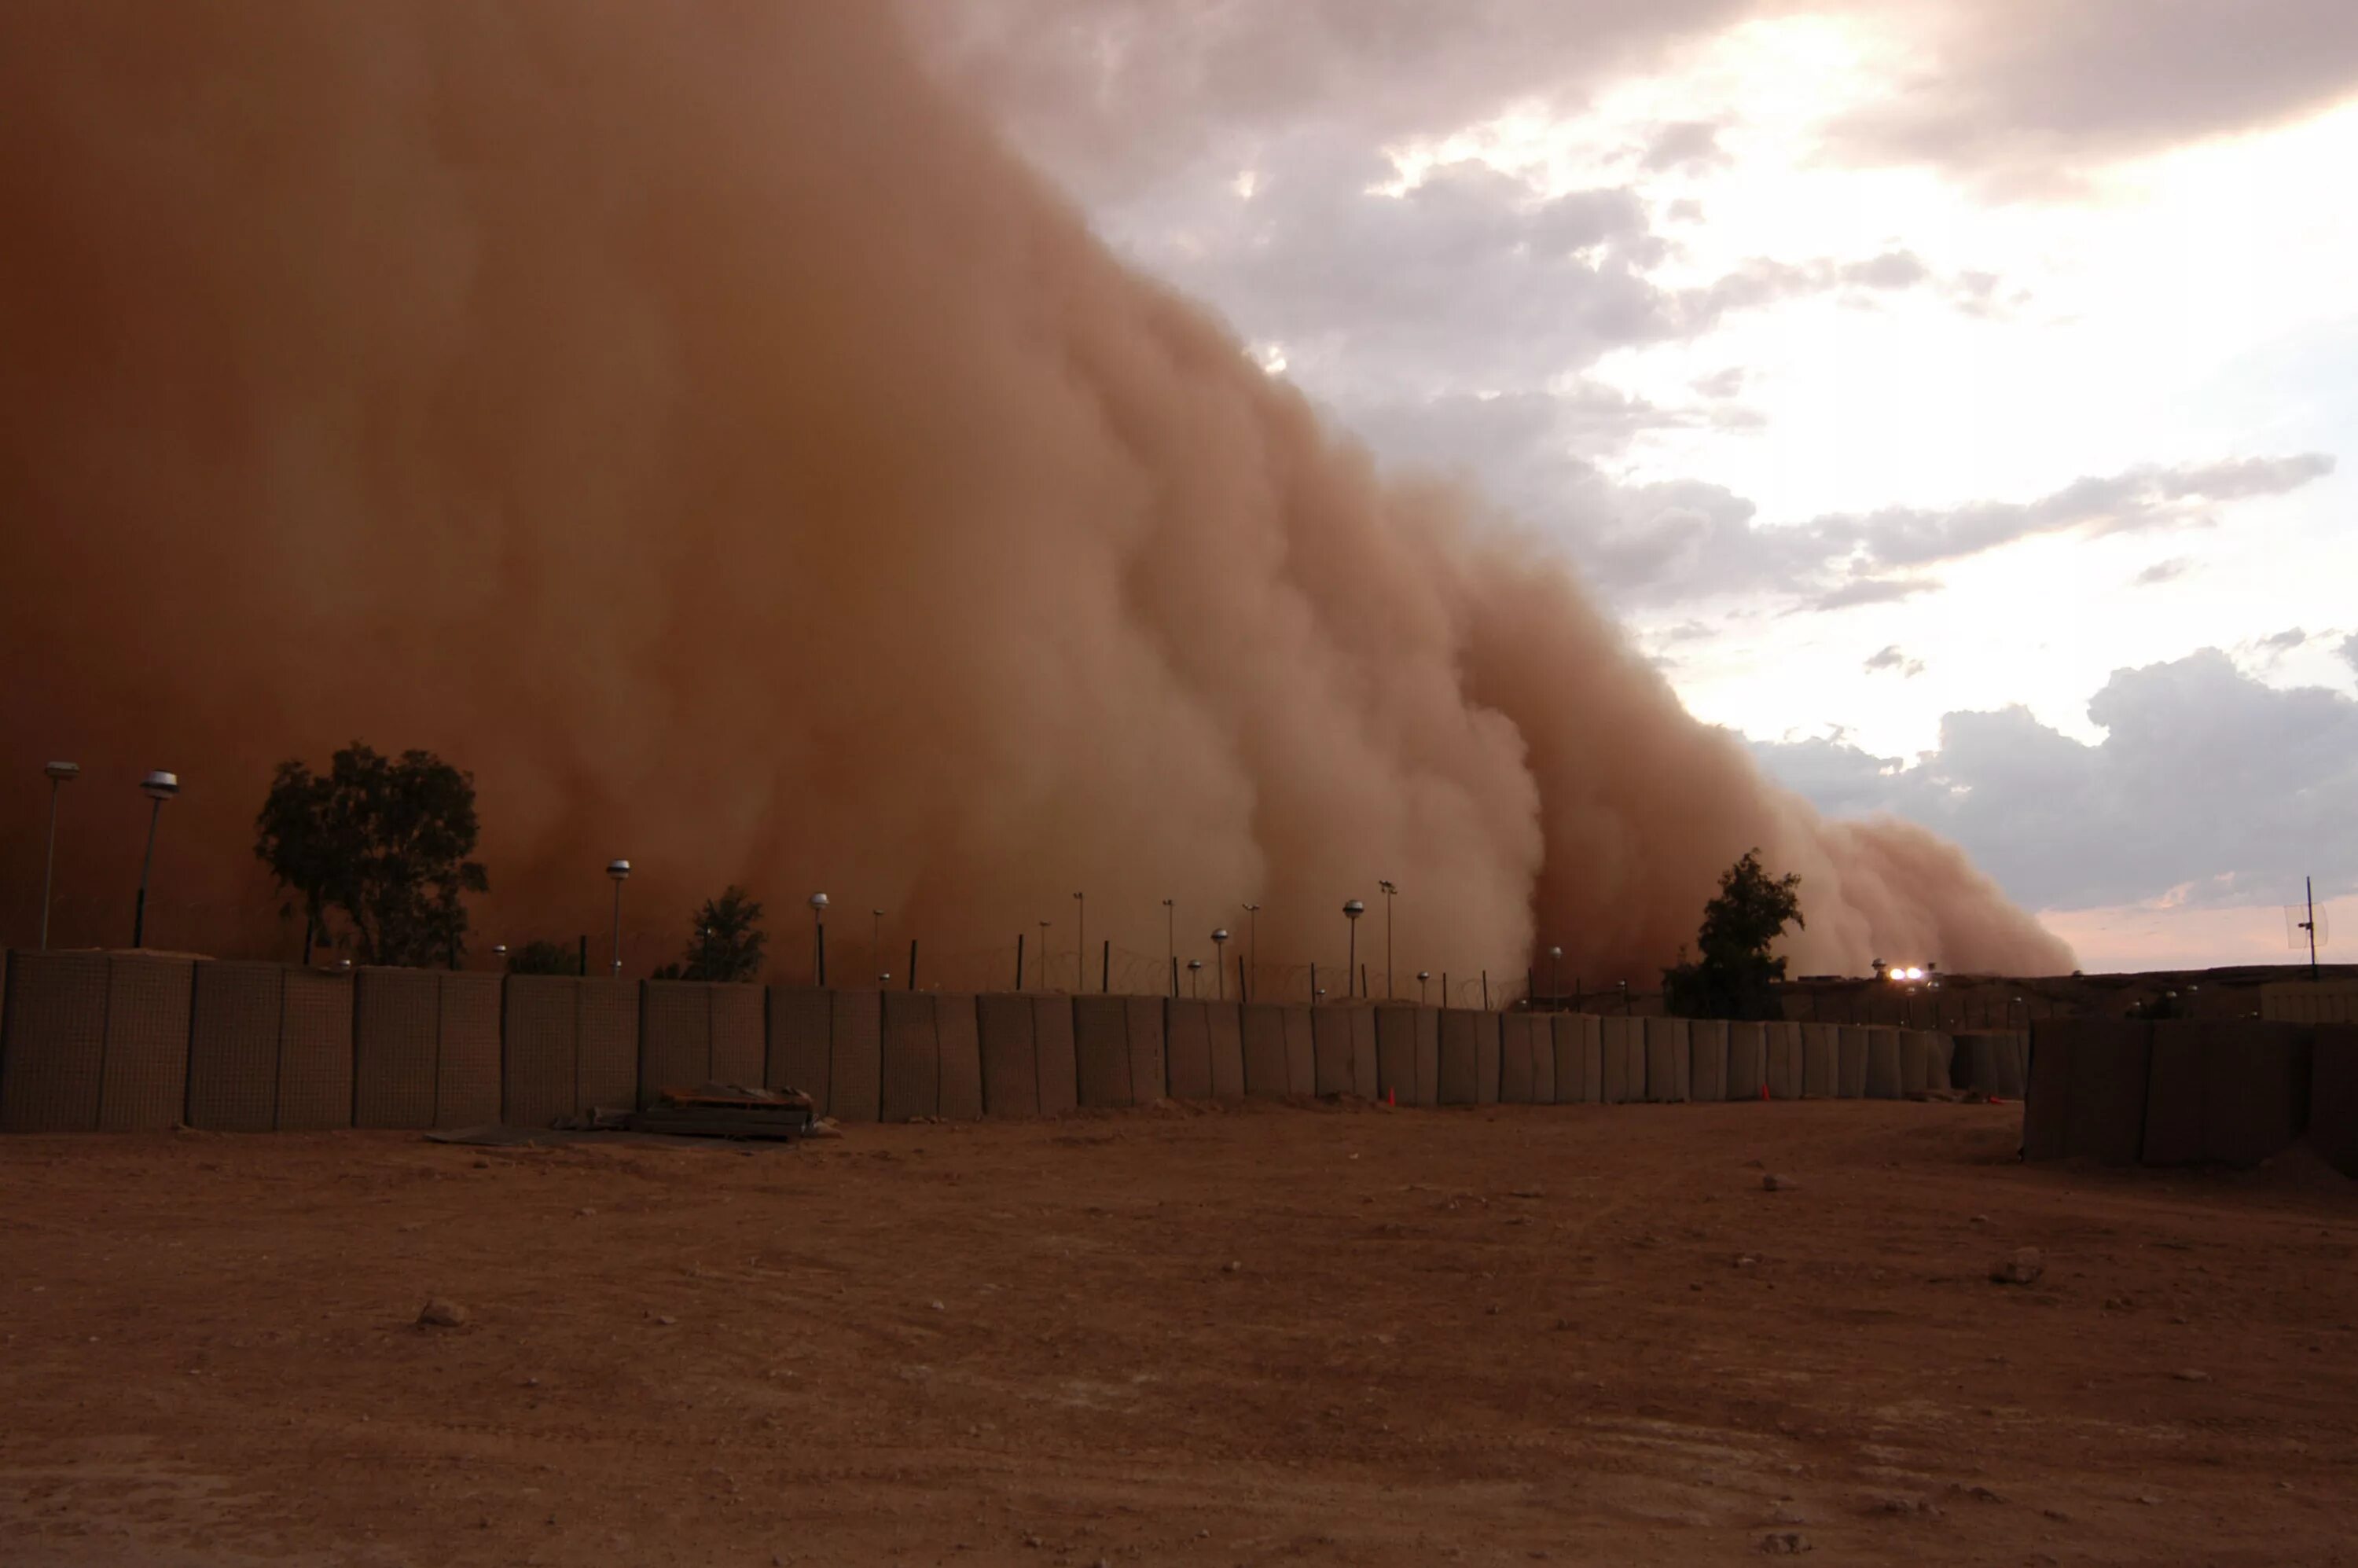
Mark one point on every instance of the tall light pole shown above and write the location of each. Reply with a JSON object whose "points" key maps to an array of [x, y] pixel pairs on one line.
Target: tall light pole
{"points": [[1390, 892], [1252, 946], [1421, 975], [158, 786], [819, 940], [1194, 978], [1351, 912], [1220, 966], [1080, 944], [1044, 956], [1555, 985], [59, 773], [1171, 942], [876, 936], [621, 871]]}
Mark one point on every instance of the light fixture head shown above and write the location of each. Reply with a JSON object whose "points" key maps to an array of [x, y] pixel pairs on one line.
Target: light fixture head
{"points": [[1424, 974], [160, 785], [618, 870], [1353, 910], [1388, 887], [818, 902], [1194, 963], [1555, 952], [63, 771], [1221, 934]]}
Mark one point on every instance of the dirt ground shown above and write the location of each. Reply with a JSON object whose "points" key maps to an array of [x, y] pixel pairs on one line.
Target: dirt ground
{"points": [[1259, 1335]]}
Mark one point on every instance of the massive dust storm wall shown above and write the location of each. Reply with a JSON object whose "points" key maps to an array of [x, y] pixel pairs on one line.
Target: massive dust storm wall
{"points": [[692, 420]]}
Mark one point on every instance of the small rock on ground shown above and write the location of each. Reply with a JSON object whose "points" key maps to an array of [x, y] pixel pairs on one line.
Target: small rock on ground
{"points": [[1773, 1182], [440, 1313], [2022, 1267], [1785, 1544]]}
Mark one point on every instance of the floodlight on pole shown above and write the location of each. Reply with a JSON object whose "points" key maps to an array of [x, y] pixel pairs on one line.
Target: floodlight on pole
{"points": [[1219, 968], [1555, 984], [1171, 942], [1080, 943], [157, 786], [1252, 944], [1389, 891], [1351, 912], [59, 773], [621, 871], [1194, 978], [1421, 975], [819, 940]]}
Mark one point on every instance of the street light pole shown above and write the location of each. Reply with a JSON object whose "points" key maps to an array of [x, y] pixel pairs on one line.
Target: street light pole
{"points": [[1421, 975], [1194, 978], [1080, 944], [1219, 963], [1044, 956], [59, 773], [621, 871], [1252, 946], [1351, 912], [819, 940], [1555, 985], [1171, 942], [1390, 890], [158, 786]]}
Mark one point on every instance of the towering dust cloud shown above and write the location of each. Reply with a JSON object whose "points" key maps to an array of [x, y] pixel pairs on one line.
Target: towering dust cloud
{"points": [[694, 423]]}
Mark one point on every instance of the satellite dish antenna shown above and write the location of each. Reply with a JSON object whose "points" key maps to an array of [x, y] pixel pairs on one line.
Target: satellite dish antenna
{"points": [[2306, 924]]}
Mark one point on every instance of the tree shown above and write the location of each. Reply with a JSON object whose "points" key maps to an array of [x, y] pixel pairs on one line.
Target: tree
{"points": [[1734, 975], [725, 942], [383, 842], [544, 958]]}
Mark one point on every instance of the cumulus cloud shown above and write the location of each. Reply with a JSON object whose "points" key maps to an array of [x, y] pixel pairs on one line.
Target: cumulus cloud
{"points": [[2209, 785], [2022, 94], [1892, 658], [1115, 93], [2349, 651], [1682, 146], [2161, 572], [1685, 540]]}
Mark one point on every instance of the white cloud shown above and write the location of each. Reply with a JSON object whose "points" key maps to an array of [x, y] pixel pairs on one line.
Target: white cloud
{"points": [[2208, 786]]}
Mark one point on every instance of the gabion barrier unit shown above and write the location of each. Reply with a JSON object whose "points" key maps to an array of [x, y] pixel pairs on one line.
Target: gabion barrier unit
{"points": [[94, 1042]]}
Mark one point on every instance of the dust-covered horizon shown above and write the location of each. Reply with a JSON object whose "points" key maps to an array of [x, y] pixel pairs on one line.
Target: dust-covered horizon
{"points": [[696, 423]]}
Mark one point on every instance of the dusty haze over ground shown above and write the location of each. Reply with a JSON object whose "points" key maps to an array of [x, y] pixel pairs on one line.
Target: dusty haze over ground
{"points": [[694, 423]]}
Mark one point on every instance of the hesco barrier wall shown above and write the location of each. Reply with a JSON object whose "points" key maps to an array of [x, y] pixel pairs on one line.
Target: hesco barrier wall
{"points": [[1577, 1041], [1408, 1054], [2309, 1001], [1707, 1058], [1669, 1066], [1748, 1060], [2333, 1096], [92, 1040], [2189, 1092], [1623, 1075], [425, 1048]]}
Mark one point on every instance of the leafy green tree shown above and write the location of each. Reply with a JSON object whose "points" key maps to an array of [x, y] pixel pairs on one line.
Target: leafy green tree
{"points": [[544, 958], [1734, 976], [381, 841], [726, 942]]}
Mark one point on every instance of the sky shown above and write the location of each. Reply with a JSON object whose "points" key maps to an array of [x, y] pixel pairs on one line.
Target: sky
{"points": [[1956, 398]]}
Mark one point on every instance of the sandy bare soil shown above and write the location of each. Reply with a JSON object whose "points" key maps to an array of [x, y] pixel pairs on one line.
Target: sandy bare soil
{"points": [[1250, 1336]]}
